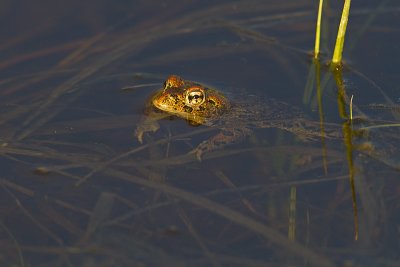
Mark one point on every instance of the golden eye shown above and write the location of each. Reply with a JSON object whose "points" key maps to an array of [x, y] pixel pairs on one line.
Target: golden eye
{"points": [[195, 96]]}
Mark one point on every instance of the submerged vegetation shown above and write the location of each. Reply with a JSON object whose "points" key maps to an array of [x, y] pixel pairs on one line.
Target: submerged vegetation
{"points": [[336, 68]]}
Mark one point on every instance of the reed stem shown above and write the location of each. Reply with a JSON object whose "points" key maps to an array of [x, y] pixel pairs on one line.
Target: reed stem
{"points": [[337, 54], [318, 31]]}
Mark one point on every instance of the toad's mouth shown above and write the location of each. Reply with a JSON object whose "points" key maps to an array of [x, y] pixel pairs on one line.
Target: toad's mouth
{"points": [[184, 114]]}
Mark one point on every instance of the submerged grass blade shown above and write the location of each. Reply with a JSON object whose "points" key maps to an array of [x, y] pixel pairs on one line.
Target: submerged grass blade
{"points": [[292, 214], [308, 90], [347, 138], [321, 114], [5, 229], [380, 126], [256, 226]]}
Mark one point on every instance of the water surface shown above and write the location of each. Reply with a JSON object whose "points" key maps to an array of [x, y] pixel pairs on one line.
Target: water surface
{"points": [[78, 189]]}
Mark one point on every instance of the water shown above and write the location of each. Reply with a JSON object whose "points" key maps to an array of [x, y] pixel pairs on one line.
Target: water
{"points": [[78, 189]]}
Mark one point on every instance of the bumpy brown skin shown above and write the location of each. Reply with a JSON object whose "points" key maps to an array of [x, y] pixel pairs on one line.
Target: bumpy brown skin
{"points": [[189, 100], [200, 104]]}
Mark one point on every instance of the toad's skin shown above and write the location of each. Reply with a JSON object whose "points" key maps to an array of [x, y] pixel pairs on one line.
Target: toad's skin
{"points": [[202, 105], [191, 101], [196, 103]]}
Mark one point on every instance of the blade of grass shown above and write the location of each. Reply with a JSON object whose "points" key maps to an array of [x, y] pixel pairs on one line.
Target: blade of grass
{"points": [[347, 138], [5, 229], [239, 218], [337, 54], [318, 30], [292, 214], [321, 114]]}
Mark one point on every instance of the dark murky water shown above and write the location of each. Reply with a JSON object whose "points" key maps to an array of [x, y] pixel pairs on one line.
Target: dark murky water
{"points": [[78, 189]]}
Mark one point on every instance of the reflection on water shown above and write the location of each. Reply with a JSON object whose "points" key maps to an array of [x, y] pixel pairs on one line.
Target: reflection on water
{"points": [[78, 189]]}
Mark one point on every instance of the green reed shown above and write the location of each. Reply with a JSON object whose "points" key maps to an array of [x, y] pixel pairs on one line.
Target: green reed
{"points": [[337, 54], [336, 69], [318, 30], [338, 51]]}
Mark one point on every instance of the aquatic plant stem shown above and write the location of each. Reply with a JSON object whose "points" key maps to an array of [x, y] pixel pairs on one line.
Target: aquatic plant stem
{"points": [[337, 54], [321, 114], [347, 139], [351, 108], [292, 214], [272, 235], [318, 30]]}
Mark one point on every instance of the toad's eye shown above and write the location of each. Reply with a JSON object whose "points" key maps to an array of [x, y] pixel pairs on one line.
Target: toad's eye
{"points": [[195, 96]]}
